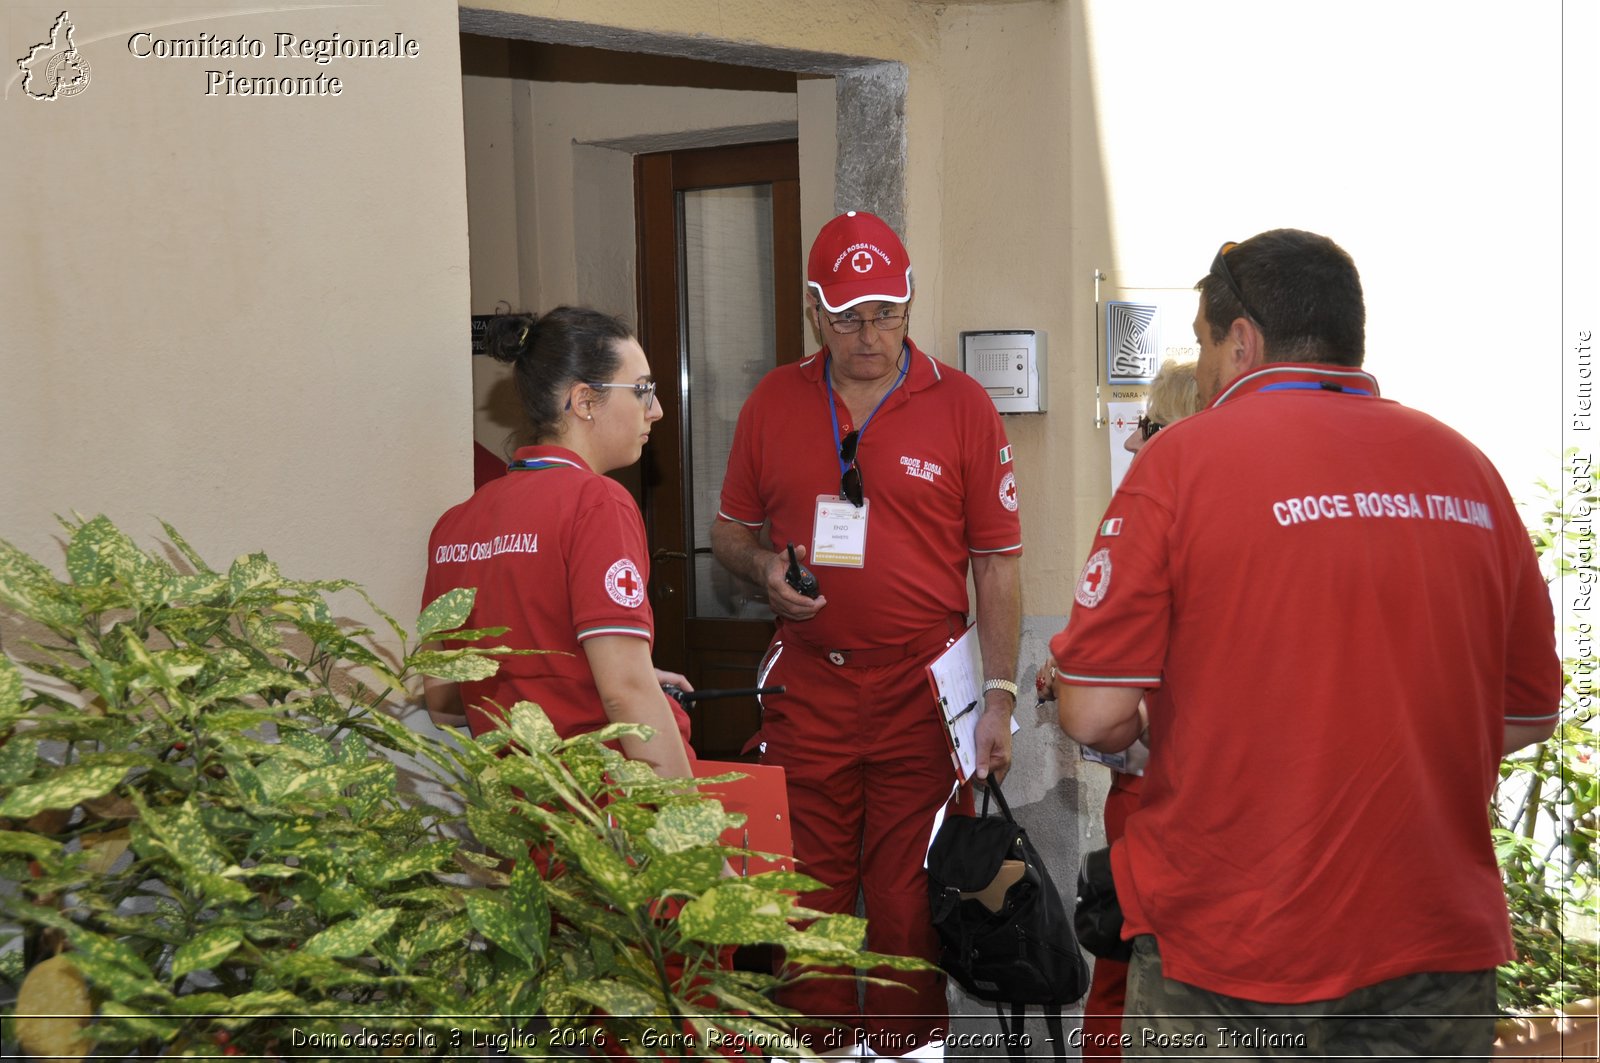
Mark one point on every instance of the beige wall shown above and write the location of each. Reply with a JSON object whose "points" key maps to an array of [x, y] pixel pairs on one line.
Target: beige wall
{"points": [[238, 314]]}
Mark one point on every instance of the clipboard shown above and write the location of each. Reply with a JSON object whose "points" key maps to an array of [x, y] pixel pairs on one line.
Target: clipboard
{"points": [[956, 676], [764, 799]]}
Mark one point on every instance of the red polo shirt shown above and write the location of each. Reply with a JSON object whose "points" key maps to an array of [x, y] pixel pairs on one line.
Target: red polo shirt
{"points": [[557, 554], [1344, 610], [935, 468]]}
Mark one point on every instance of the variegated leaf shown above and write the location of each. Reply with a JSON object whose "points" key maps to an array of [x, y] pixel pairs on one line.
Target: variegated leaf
{"points": [[111, 965], [137, 1022], [526, 895], [352, 936], [501, 833], [18, 757], [11, 687], [532, 728], [267, 1002], [599, 860], [64, 789], [733, 914], [689, 826], [96, 551], [618, 998], [417, 862], [434, 936], [33, 590], [200, 587], [457, 666], [318, 750], [218, 888], [206, 950], [446, 612], [36, 846], [496, 921], [252, 572], [182, 831], [693, 871], [234, 687]]}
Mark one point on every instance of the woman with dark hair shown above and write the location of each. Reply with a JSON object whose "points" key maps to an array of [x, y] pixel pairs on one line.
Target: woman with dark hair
{"points": [[556, 549]]}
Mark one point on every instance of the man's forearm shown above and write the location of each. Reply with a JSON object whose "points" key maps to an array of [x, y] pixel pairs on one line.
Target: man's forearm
{"points": [[997, 580], [739, 550]]}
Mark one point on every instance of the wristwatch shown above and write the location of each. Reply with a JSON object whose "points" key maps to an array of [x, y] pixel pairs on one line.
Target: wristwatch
{"points": [[1001, 684]]}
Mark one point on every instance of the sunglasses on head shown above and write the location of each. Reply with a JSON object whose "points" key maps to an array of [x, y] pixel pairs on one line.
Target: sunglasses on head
{"points": [[1219, 266]]}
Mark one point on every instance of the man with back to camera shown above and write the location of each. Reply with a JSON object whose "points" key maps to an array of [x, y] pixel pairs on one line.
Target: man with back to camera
{"points": [[1348, 621], [889, 472]]}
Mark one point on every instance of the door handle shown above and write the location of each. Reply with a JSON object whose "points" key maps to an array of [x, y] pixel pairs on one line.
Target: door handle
{"points": [[665, 555]]}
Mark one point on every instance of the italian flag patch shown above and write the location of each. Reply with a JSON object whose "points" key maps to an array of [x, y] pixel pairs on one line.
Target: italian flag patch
{"points": [[1005, 454], [1111, 527]]}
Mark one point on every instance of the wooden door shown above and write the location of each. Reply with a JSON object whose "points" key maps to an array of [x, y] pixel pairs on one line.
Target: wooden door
{"points": [[721, 303]]}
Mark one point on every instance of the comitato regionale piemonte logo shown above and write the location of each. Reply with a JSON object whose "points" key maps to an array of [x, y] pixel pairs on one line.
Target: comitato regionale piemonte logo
{"points": [[55, 69]]}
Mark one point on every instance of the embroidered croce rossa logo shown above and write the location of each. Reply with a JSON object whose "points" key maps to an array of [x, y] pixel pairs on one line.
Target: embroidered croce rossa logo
{"points": [[1095, 580], [624, 584]]}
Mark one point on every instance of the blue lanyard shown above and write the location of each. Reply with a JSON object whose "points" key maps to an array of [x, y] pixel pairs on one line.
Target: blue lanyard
{"points": [[539, 464], [833, 407], [1310, 386]]}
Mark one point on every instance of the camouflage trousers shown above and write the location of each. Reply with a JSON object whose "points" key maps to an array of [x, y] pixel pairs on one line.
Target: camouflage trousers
{"points": [[1432, 1015]]}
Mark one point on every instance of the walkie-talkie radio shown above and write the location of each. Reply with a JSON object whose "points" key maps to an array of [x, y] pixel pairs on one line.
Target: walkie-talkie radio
{"points": [[800, 578]]}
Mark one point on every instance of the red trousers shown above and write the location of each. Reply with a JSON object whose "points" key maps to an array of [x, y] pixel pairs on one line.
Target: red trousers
{"points": [[1102, 1012], [868, 766]]}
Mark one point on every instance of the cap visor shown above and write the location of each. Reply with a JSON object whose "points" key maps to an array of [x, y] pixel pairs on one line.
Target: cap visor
{"points": [[845, 294]]}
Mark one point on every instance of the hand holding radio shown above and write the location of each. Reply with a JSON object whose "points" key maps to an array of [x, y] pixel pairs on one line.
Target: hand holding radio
{"points": [[799, 577]]}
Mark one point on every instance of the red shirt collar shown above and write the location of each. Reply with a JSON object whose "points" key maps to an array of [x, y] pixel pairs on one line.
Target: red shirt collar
{"points": [[1298, 373]]}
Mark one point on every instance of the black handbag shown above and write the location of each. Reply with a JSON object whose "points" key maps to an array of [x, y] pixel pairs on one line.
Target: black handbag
{"points": [[1004, 933], [1098, 915]]}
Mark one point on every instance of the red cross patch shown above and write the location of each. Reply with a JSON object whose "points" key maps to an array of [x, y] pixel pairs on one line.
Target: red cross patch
{"points": [[1008, 491], [624, 584], [1095, 580]]}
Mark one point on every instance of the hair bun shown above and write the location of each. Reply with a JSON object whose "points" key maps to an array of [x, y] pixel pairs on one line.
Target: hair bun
{"points": [[510, 337]]}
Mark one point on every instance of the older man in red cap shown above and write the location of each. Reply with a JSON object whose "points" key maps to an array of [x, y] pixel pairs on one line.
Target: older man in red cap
{"points": [[891, 475]]}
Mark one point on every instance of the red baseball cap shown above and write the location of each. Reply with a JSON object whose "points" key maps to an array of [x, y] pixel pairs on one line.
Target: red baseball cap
{"points": [[857, 258]]}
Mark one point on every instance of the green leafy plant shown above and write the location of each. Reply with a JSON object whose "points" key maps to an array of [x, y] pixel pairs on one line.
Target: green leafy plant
{"points": [[212, 840], [1545, 806]]}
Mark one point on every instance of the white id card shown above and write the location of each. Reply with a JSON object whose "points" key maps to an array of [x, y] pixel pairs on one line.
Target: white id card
{"points": [[839, 536]]}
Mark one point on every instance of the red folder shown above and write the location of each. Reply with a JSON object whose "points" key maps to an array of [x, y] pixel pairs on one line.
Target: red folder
{"points": [[764, 799]]}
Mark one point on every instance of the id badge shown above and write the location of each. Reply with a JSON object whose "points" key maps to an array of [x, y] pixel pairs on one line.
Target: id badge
{"points": [[839, 536]]}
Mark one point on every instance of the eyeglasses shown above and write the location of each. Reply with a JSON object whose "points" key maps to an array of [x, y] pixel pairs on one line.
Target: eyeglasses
{"points": [[1148, 428], [850, 322], [850, 482], [646, 392], [1219, 266]]}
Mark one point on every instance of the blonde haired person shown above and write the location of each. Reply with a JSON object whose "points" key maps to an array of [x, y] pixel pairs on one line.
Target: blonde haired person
{"points": [[1174, 395]]}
